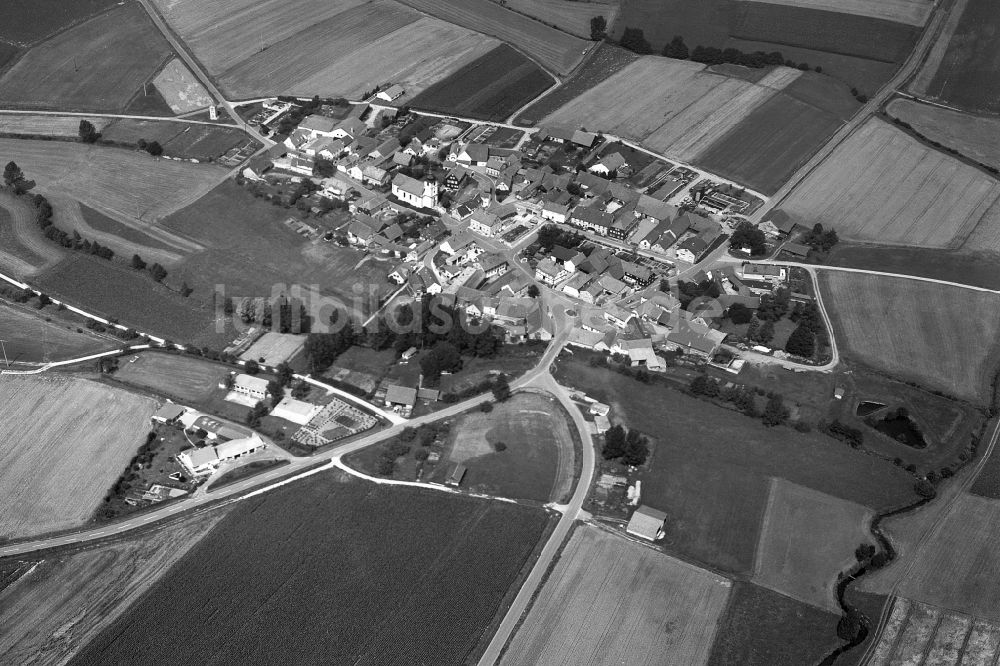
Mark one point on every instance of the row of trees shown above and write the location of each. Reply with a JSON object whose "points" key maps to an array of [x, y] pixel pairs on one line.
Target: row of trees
{"points": [[635, 40], [743, 399]]}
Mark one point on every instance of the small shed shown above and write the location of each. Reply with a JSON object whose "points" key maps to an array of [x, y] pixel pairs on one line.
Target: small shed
{"points": [[646, 523], [456, 475]]}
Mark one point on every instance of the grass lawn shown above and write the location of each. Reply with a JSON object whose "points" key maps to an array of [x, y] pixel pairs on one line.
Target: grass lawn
{"points": [[764, 628], [184, 377], [710, 466]]}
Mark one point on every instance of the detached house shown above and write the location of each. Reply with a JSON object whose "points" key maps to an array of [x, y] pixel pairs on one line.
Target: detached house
{"points": [[609, 165]]}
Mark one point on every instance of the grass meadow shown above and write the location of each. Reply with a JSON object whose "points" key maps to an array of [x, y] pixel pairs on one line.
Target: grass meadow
{"points": [[184, 377], [28, 337]]}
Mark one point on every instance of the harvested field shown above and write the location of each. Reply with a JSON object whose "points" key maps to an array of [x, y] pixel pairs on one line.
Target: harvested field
{"points": [[710, 466], [916, 331], [180, 89], [173, 375], [111, 290], [962, 67], [27, 21], [919, 633], [274, 348], [97, 66], [764, 628], [24, 250], [185, 140], [31, 125], [958, 566], [27, 337], [569, 15], [977, 138], [796, 522], [538, 461], [513, 81], [881, 185], [49, 614], [611, 600], [124, 184], [429, 594], [910, 12], [835, 32], [552, 48], [52, 431], [778, 137], [599, 64], [673, 106]]}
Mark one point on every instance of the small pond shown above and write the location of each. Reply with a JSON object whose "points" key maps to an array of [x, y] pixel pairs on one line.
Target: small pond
{"points": [[901, 427]]}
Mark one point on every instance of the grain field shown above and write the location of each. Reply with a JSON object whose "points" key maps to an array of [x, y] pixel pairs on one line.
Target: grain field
{"points": [[569, 15], [910, 12], [32, 125], [976, 137]]}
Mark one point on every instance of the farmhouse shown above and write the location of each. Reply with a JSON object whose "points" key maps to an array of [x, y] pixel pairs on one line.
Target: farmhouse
{"points": [[549, 272], [609, 165], [401, 397], [797, 250], [422, 194], [554, 212], [474, 154], [315, 126], [646, 523], [255, 387], [691, 249], [205, 460], [592, 219], [168, 413], [485, 224], [391, 93], [564, 135]]}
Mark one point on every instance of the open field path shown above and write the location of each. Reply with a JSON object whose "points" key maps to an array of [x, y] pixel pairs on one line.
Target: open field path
{"points": [[944, 514]]}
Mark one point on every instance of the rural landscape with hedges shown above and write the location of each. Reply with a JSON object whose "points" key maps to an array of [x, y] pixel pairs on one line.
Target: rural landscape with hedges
{"points": [[500, 332]]}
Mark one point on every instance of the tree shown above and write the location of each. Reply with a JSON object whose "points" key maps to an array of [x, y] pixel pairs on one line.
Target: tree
{"points": [[636, 449], [614, 443], [256, 413], [88, 133], [12, 174], [251, 367], [849, 627], [802, 342], [765, 333], [499, 446], [501, 389], [748, 237], [775, 413], [154, 148], [137, 262], [634, 40], [598, 28], [533, 291], [739, 313], [186, 290], [442, 357], [753, 328], [677, 49], [158, 272]]}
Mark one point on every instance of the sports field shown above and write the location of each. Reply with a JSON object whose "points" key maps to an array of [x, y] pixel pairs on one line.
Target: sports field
{"points": [[883, 186], [958, 566], [490, 87], [569, 15], [125, 184], [910, 12], [49, 614], [975, 137], [613, 601], [173, 375], [28, 337], [916, 331], [180, 89], [24, 251], [398, 576], [32, 125], [673, 106], [962, 68], [98, 65], [797, 520], [917, 633], [553, 49], [538, 461], [51, 431], [711, 467]]}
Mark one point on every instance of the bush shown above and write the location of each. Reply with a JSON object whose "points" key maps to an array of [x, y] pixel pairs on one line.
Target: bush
{"points": [[486, 407], [422, 454], [499, 446]]}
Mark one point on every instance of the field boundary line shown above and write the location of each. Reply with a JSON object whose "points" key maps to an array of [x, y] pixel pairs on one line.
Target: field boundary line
{"points": [[123, 116]]}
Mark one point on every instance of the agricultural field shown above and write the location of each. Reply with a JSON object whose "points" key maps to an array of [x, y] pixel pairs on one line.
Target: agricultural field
{"points": [[796, 521], [538, 461], [185, 140], [916, 331], [428, 594], [180, 89], [551, 48], [24, 250], [569, 15], [673, 106], [250, 252], [98, 65], [174, 375], [779, 136], [50, 613], [710, 468], [51, 432], [977, 138], [112, 290], [28, 338], [977, 269], [124, 184], [48, 126], [27, 21], [512, 80], [919, 633], [763, 628], [883, 186], [957, 567], [611, 600], [599, 64], [910, 12], [961, 69]]}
